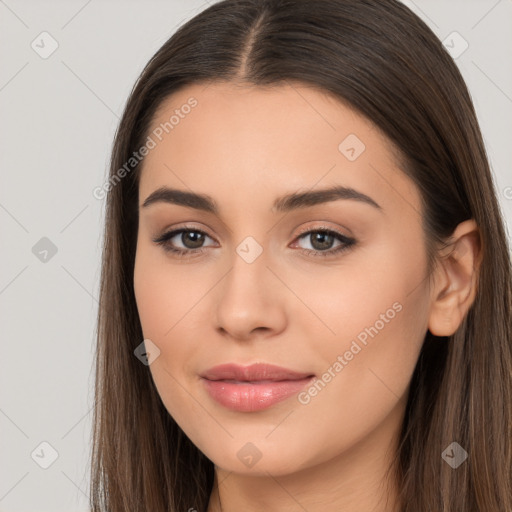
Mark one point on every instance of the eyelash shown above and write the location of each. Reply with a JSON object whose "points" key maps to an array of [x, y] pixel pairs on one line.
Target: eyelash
{"points": [[164, 239]]}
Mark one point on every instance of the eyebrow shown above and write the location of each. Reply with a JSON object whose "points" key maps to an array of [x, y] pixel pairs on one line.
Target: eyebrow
{"points": [[285, 203]]}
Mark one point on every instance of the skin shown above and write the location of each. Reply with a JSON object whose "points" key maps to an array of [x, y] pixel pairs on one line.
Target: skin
{"points": [[244, 147]]}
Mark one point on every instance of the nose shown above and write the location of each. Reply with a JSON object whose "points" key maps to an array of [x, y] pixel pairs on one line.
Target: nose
{"points": [[250, 301]]}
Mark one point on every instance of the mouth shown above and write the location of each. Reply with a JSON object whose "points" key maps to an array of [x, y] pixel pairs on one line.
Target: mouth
{"points": [[257, 372], [252, 388]]}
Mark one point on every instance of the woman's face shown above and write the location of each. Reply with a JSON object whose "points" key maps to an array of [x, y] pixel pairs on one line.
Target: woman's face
{"points": [[332, 287]]}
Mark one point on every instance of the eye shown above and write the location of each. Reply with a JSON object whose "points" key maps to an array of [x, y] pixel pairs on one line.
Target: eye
{"points": [[322, 239], [191, 238]]}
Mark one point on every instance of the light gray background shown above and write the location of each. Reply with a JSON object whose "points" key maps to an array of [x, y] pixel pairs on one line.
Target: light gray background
{"points": [[58, 118]]}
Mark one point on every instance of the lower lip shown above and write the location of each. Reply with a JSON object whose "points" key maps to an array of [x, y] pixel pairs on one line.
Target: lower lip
{"points": [[253, 396]]}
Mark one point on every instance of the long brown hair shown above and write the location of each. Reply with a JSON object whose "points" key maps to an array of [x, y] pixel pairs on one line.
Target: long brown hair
{"points": [[380, 58]]}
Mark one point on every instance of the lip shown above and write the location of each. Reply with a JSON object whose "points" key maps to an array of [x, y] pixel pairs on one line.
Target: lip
{"points": [[254, 387]]}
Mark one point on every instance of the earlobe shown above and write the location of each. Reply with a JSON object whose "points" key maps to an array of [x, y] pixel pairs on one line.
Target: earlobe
{"points": [[456, 279]]}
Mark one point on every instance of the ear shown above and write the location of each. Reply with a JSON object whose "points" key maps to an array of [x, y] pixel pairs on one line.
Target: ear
{"points": [[455, 280]]}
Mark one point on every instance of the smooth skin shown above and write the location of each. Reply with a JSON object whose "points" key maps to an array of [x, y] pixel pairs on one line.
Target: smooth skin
{"points": [[245, 147]]}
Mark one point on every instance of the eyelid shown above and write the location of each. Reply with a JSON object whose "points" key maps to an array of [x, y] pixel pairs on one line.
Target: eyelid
{"points": [[168, 233], [187, 227], [346, 241], [324, 227]]}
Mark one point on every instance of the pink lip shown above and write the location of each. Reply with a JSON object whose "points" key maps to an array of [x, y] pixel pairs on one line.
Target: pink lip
{"points": [[254, 387]]}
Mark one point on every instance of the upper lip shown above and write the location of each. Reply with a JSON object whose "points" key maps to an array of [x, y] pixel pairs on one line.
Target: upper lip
{"points": [[253, 372]]}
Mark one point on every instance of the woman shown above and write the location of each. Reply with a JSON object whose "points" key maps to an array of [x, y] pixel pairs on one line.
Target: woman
{"points": [[306, 285]]}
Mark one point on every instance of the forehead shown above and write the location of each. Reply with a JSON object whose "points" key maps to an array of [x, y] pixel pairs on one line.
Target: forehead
{"points": [[266, 141]]}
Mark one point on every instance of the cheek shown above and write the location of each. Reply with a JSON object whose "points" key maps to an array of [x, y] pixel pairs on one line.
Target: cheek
{"points": [[164, 299], [171, 305], [164, 293], [376, 328], [376, 296], [379, 312], [367, 366]]}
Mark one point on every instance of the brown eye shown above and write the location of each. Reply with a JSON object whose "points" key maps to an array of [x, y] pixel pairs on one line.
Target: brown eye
{"points": [[322, 240], [191, 241], [194, 238]]}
